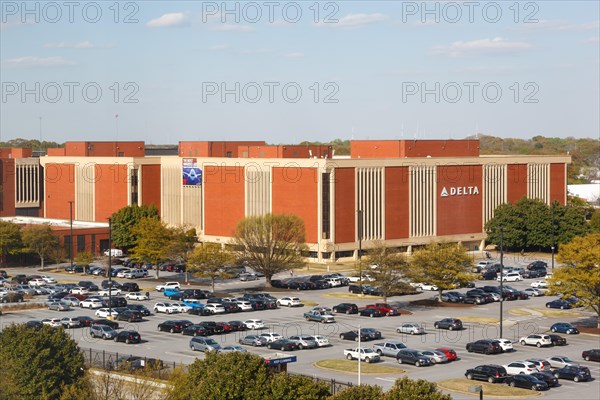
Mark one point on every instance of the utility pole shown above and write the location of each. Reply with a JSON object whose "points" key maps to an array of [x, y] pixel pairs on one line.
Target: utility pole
{"points": [[360, 229], [71, 233], [501, 275], [109, 265], [552, 214]]}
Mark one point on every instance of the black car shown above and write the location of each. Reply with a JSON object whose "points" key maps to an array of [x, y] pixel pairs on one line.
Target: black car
{"points": [[491, 372], [130, 287], [195, 330], [91, 286], [211, 327], [534, 273], [20, 279], [230, 307], [115, 301], [102, 321], [142, 309], [353, 335], [410, 356], [198, 311], [526, 382], [455, 297], [558, 340], [197, 294], [449, 323], [547, 377], [279, 283], [128, 337], [130, 316], [489, 275], [173, 326], [474, 299], [372, 333], [573, 372], [591, 355], [370, 312], [485, 346], [537, 265], [348, 308], [269, 304], [237, 325], [283, 344], [35, 324], [57, 296], [562, 304], [106, 284], [84, 321]]}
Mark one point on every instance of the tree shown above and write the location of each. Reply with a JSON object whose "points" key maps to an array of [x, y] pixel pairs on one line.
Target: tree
{"points": [[125, 219], [39, 240], [571, 222], [419, 389], [446, 265], [293, 387], [580, 274], [512, 222], [152, 238], [182, 245], [10, 240], [84, 258], [38, 363], [208, 260], [360, 392], [595, 222], [391, 270], [271, 243]]}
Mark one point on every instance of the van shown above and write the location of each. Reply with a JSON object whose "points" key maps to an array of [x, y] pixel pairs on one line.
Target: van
{"points": [[114, 253]]}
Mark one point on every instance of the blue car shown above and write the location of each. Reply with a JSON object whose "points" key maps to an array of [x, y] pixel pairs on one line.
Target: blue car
{"points": [[564, 327], [562, 304]]}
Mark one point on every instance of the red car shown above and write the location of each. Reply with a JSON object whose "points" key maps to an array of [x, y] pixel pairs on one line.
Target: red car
{"points": [[226, 327], [451, 354], [385, 308]]}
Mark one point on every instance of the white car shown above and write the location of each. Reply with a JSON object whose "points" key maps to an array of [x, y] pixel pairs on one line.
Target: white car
{"points": [[289, 301], [561, 361], [91, 303], [254, 324], [165, 308], [533, 292], [541, 364], [48, 279], [539, 284], [413, 329], [520, 367], [427, 286], [495, 296], [136, 296], [365, 277], [214, 308], [53, 322], [80, 290], [511, 277], [182, 308], [244, 305], [121, 274], [37, 282], [112, 291], [436, 356], [334, 282], [538, 340], [322, 341], [505, 344], [168, 285], [271, 337], [104, 313]]}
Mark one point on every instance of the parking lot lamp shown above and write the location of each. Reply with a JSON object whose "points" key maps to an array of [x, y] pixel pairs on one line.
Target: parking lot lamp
{"points": [[71, 233], [109, 266], [552, 244], [501, 275]]}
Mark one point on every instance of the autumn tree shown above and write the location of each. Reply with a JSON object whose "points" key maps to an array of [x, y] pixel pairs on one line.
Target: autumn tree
{"points": [[39, 239], [390, 269], [152, 238], [11, 241], [182, 245], [208, 260], [446, 265], [270, 243], [38, 363], [84, 258], [595, 222], [125, 219], [580, 274]]}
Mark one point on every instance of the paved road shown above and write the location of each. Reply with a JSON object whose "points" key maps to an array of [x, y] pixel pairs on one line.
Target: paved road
{"points": [[174, 347]]}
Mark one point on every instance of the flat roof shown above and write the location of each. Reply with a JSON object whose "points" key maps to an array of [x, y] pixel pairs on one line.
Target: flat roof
{"points": [[61, 223]]}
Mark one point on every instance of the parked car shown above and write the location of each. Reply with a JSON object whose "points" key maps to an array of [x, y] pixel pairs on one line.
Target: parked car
{"points": [[204, 344], [233, 349], [136, 296], [450, 353], [102, 331], [538, 340], [561, 361], [449, 323], [412, 328], [196, 330], [109, 292], [59, 306], [289, 302], [84, 320], [130, 287], [485, 346], [128, 337], [591, 355], [564, 327], [547, 377], [520, 367], [304, 341], [142, 309], [435, 356], [130, 316], [271, 336], [173, 326], [505, 344], [253, 340], [410, 356], [70, 322], [492, 373], [321, 340], [537, 265], [91, 302], [526, 382], [165, 308], [539, 284], [214, 308], [576, 373], [558, 340], [370, 312], [541, 364], [353, 335], [283, 344], [254, 324], [347, 308], [104, 313], [102, 321]]}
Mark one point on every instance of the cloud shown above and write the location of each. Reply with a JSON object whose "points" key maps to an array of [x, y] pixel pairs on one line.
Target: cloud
{"points": [[231, 28], [217, 47], [81, 45], [295, 54], [261, 50], [36, 62], [169, 21], [354, 20], [592, 40], [494, 69], [496, 45], [560, 26], [14, 23]]}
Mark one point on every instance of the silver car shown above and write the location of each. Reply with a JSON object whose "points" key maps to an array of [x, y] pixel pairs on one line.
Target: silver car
{"points": [[304, 342], [435, 356], [102, 331], [59, 306], [413, 329], [204, 344]]}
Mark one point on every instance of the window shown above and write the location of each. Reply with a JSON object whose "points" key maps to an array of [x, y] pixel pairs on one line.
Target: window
{"points": [[93, 244], [326, 205], [80, 243], [134, 186]]}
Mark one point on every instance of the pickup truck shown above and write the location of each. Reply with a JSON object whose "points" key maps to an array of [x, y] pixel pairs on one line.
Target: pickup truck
{"points": [[168, 285], [385, 309], [319, 316], [389, 348], [364, 353]]}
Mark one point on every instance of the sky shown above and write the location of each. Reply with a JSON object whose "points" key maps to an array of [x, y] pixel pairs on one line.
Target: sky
{"points": [[286, 72]]}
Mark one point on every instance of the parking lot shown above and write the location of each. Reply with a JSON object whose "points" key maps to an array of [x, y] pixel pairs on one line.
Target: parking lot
{"points": [[289, 321]]}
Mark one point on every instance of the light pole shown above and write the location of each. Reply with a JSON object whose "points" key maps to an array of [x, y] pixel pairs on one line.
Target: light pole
{"points": [[359, 353], [71, 233], [109, 265], [552, 214], [501, 275], [360, 228]]}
